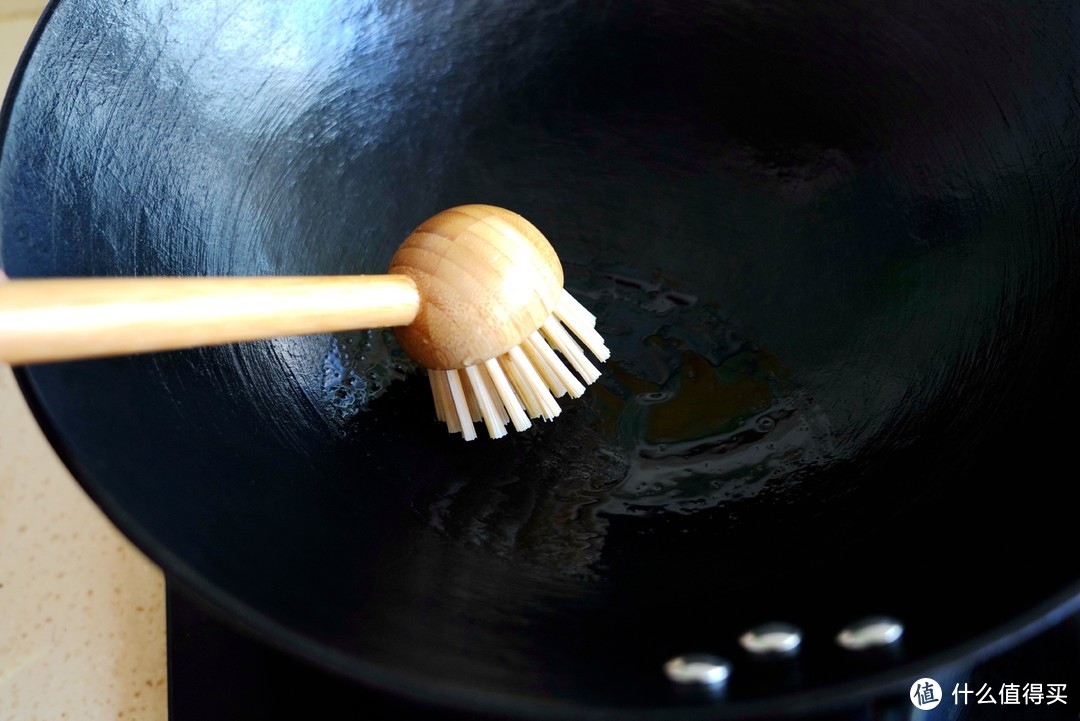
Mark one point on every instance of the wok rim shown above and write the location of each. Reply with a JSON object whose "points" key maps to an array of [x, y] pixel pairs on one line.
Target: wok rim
{"points": [[1042, 616], [246, 618]]}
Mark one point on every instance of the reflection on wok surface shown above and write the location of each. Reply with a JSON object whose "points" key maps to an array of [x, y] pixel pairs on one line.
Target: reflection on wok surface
{"points": [[833, 250]]}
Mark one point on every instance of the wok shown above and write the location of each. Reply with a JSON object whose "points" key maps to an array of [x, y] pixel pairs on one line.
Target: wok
{"points": [[833, 247]]}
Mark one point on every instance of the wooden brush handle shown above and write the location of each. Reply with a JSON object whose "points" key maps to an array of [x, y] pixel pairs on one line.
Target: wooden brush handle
{"points": [[66, 319]]}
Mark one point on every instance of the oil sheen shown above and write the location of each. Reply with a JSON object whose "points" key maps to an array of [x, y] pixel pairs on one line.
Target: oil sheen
{"points": [[690, 416], [697, 413]]}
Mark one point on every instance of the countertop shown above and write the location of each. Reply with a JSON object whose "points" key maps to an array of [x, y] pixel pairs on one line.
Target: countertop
{"points": [[82, 611]]}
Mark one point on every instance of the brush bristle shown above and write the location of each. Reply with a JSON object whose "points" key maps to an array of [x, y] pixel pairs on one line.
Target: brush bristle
{"points": [[524, 382]]}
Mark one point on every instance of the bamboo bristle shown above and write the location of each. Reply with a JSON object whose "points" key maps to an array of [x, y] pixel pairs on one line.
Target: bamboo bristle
{"points": [[444, 401], [461, 405], [570, 350], [488, 411], [470, 397], [502, 413], [524, 393], [570, 303], [554, 371], [530, 385], [535, 355], [524, 382], [581, 323], [510, 401], [436, 395]]}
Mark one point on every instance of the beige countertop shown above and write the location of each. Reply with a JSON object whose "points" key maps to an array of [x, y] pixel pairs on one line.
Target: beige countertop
{"points": [[82, 612]]}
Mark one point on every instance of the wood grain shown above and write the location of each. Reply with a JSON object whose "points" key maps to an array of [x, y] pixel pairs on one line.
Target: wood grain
{"points": [[64, 319], [487, 278]]}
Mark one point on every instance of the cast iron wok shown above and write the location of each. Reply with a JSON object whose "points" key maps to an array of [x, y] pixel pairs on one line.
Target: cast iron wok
{"points": [[833, 246]]}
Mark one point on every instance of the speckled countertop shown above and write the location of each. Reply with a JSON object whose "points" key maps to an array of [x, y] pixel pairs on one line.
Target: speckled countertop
{"points": [[82, 612]]}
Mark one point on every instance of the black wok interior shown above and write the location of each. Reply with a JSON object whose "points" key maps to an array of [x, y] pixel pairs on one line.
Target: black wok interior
{"points": [[832, 245]]}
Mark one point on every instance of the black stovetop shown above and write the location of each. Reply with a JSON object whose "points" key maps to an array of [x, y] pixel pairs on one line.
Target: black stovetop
{"points": [[219, 673]]}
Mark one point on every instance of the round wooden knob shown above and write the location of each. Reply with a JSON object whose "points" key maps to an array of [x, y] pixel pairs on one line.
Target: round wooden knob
{"points": [[487, 278]]}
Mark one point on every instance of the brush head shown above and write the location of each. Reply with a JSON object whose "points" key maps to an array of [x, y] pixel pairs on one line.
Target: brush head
{"points": [[487, 280], [492, 314]]}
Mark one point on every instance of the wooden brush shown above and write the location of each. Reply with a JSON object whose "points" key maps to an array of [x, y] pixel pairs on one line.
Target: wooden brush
{"points": [[474, 295]]}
